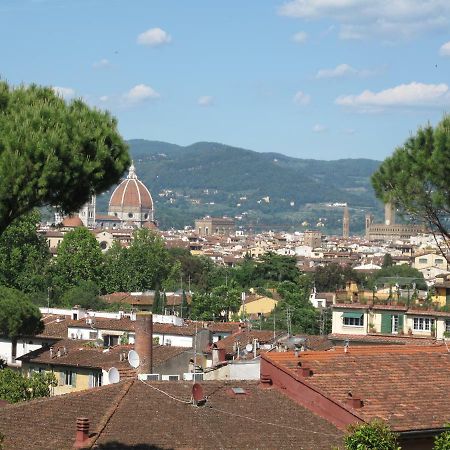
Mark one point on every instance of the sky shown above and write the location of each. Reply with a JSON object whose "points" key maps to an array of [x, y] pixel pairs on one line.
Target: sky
{"points": [[322, 79]]}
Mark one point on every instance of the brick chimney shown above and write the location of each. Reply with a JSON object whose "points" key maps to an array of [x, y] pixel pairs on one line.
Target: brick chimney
{"points": [[354, 402], [143, 342], [82, 436]]}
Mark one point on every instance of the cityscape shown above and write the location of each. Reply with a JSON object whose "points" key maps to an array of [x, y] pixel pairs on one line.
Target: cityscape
{"points": [[224, 225]]}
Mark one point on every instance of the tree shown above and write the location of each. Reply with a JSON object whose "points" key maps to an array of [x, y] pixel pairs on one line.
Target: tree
{"points": [[84, 294], [14, 387], [387, 261], [54, 152], [333, 276], [18, 316], [25, 255], [442, 442], [156, 307], [415, 177], [375, 435], [79, 259], [147, 262], [277, 267], [114, 268]]}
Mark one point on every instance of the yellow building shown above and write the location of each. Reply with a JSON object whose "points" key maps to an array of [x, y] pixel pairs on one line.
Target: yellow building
{"points": [[257, 305]]}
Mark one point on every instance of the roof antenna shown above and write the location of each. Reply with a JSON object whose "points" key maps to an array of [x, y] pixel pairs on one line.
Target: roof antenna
{"points": [[346, 346]]}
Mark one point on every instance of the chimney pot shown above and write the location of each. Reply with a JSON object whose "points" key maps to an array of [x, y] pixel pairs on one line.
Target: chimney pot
{"points": [[354, 402], [144, 341], [82, 434]]}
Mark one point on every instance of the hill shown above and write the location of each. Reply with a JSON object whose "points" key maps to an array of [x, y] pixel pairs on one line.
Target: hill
{"points": [[263, 190]]}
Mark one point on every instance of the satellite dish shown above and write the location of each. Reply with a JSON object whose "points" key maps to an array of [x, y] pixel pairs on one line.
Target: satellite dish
{"points": [[197, 393], [113, 375], [133, 359], [249, 347]]}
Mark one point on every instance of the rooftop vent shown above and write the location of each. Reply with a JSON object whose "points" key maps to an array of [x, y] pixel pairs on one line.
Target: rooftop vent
{"points": [[354, 402], [238, 391]]}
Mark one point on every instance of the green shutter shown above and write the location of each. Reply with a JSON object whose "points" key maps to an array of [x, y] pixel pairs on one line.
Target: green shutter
{"points": [[386, 323], [74, 379], [401, 321], [353, 315]]}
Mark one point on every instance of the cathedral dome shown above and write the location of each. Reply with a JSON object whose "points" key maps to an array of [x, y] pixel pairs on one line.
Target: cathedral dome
{"points": [[131, 200]]}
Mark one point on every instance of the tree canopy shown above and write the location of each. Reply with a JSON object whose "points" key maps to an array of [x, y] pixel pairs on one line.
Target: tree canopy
{"points": [[375, 435], [53, 152], [415, 178], [18, 316]]}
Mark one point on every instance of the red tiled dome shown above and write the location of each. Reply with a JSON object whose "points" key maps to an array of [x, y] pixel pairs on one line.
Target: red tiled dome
{"points": [[131, 193], [72, 222]]}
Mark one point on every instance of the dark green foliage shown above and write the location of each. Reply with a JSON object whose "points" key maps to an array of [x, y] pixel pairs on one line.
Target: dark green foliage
{"points": [[375, 435], [333, 276], [14, 387], [218, 304], [415, 178], [157, 303], [184, 305], [387, 261], [53, 152], [401, 274], [277, 268], [84, 294], [442, 442], [79, 259], [25, 256], [18, 316]]}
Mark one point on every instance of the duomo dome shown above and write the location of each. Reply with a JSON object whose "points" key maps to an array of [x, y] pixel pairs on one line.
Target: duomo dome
{"points": [[131, 201]]}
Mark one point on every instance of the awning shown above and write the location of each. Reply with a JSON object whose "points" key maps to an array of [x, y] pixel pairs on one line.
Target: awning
{"points": [[352, 315]]}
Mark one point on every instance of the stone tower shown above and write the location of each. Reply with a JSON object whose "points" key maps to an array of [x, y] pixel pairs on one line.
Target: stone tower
{"points": [[346, 223]]}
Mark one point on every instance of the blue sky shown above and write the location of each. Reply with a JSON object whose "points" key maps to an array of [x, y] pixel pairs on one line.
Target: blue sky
{"points": [[322, 79]]}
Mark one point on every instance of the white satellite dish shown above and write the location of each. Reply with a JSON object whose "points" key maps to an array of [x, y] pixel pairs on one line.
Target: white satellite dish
{"points": [[113, 375], [249, 347], [133, 359]]}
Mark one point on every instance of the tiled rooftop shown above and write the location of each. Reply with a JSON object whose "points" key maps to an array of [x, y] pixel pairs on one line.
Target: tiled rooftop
{"points": [[405, 385], [132, 413]]}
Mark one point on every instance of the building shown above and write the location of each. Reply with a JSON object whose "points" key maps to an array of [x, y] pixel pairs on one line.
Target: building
{"points": [[131, 201], [87, 213], [346, 223], [155, 415], [390, 230], [214, 226], [312, 238], [404, 386]]}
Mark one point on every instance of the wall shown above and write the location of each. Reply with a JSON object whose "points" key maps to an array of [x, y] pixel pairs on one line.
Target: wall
{"points": [[339, 328]]}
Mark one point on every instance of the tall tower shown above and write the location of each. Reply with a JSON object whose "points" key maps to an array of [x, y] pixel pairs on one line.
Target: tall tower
{"points": [[87, 213], [369, 221], [346, 223], [389, 214]]}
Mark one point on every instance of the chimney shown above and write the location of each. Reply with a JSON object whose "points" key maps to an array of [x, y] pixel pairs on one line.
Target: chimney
{"points": [[304, 371], [82, 436], [353, 402], [144, 341]]}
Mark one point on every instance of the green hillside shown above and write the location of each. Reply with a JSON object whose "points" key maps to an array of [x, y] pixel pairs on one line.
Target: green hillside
{"points": [[264, 190]]}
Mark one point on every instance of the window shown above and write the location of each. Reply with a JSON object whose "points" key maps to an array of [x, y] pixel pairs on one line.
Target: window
{"points": [[353, 319], [438, 260], [423, 323], [92, 335], [130, 215], [68, 378], [95, 379], [423, 260], [447, 326]]}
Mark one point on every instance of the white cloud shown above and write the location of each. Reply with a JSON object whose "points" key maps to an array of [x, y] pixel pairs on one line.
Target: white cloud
{"points": [[341, 70], [102, 64], [154, 37], [350, 131], [345, 70], [390, 19], [410, 95], [300, 98], [205, 100], [140, 93], [300, 37], [104, 98], [319, 128], [445, 49], [64, 92]]}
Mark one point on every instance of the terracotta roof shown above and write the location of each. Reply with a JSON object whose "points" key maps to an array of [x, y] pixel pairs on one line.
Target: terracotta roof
{"points": [[81, 354], [72, 222], [55, 326], [131, 193], [407, 386], [132, 414], [378, 338], [246, 337]]}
